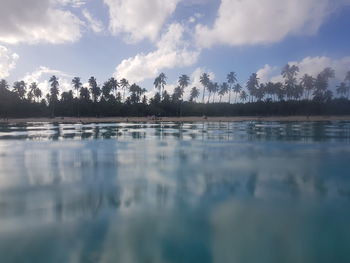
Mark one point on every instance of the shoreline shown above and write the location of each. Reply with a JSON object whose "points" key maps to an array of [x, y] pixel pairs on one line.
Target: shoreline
{"points": [[302, 118]]}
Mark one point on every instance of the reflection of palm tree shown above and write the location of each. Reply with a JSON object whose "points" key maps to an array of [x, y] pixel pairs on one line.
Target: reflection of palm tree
{"points": [[251, 184]]}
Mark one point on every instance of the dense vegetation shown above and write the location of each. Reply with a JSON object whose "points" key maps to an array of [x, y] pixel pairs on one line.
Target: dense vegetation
{"points": [[294, 96]]}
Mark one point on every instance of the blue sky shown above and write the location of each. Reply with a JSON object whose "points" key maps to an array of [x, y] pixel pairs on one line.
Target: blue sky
{"points": [[138, 39]]}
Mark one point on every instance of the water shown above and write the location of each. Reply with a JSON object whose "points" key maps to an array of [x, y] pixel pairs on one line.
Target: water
{"points": [[168, 192]]}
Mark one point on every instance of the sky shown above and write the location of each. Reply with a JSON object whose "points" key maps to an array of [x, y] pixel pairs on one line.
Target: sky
{"points": [[138, 39]]}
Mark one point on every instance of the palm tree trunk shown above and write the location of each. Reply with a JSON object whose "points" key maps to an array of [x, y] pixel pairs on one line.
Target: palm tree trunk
{"points": [[229, 96], [203, 94]]}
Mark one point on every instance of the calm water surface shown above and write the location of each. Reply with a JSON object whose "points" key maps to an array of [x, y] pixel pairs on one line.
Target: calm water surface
{"points": [[168, 192]]}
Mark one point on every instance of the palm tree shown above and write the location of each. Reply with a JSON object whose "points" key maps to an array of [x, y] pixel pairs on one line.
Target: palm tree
{"points": [[279, 90], [77, 84], [308, 83], [19, 87], [178, 93], [224, 89], [260, 92], [48, 98], [166, 97], [215, 89], [124, 83], [210, 89], [38, 93], [160, 82], [53, 96], [67, 96], [231, 79], [270, 90], [347, 79], [205, 81], [342, 89], [84, 94], [322, 82], [136, 93], [3, 85], [183, 81], [54, 89], [289, 74], [113, 83], [106, 90], [94, 88], [243, 96], [253, 85], [194, 94], [33, 86], [237, 89]]}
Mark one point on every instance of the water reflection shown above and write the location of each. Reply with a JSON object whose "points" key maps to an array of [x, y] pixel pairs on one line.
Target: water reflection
{"points": [[209, 192], [248, 130]]}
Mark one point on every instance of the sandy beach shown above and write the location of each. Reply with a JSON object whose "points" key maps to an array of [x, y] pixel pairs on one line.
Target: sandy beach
{"points": [[175, 119]]}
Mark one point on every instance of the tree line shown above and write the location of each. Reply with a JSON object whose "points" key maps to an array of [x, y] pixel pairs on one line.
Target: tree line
{"points": [[294, 95]]}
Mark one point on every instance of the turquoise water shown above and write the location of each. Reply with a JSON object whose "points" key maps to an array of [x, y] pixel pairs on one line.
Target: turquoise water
{"points": [[195, 192]]}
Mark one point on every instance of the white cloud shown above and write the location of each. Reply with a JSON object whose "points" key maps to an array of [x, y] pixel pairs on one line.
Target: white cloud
{"points": [[309, 65], [73, 3], [42, 76], [8, 61], [172, 51], [194, 18], [94, 24], [38, 21], [139, 19], [266, 73], [264, 21]]}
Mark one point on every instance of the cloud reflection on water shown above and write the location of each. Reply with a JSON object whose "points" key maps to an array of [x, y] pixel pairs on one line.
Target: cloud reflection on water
{"points": [[165, 198]]}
